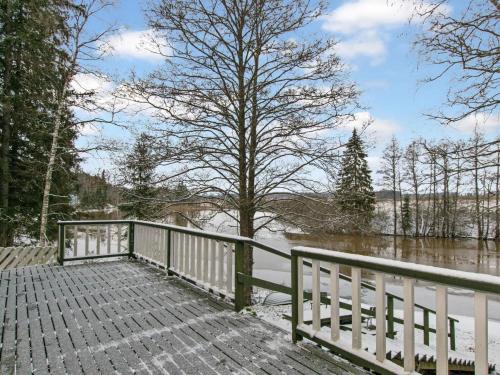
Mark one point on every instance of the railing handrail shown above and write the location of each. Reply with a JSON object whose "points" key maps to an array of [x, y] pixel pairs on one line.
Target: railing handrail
{"points": [[479, 282]]}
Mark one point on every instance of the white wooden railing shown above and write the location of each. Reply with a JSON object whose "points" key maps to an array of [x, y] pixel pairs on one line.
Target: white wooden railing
{"points": [[206, 261], [482, 285]]}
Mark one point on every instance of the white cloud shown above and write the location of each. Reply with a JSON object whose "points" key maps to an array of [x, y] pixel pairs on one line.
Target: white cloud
{"points": [[365, 25], [135, 44], [483, 122], [369, 44], [85, 82], [354, 16], [376, 129]]}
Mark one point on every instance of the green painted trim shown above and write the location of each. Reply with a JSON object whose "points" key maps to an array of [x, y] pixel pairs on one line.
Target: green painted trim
{"points": [[426, 328], [61, 245], [131, 240], [260, 283], [90, 257], [295, 300]]}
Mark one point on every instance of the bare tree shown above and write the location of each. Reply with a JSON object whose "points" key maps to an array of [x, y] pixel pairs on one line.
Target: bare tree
{"points": [[82, 49], [391, 170], [413, 172], [247, 107], [465, 45]]}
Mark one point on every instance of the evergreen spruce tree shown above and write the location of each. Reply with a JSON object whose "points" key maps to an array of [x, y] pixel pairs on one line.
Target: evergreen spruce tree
{"points": [[139, 173], [406, 215], [354, 194], [32, 33]]}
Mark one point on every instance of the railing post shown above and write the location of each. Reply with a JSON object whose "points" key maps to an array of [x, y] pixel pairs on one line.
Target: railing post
{"points": [[169, 251], [130, 239], [390, 317], [239, 287], [61, 244], [295, 299]]}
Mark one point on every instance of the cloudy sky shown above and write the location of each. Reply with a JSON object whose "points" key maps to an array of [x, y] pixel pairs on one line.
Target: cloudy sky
{"points": [[375, 40]]}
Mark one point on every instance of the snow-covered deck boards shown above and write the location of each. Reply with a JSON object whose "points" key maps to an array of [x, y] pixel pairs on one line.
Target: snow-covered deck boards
{"points": [[128, 317]]}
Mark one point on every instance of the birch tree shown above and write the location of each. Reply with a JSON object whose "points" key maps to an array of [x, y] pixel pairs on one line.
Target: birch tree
{"points": [[81, 49]]}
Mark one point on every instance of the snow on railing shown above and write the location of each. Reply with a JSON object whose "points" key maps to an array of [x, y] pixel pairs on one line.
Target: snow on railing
{"points": [[482, 285]]}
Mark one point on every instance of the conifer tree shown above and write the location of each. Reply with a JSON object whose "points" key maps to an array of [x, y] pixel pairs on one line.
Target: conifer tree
{"points": [[354, 194], [139, 173], [406, 215]]}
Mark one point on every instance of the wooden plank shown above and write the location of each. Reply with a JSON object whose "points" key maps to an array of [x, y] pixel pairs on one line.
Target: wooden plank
{"points": [[481, 333], [229, 268], [316, 293], [441, 330], [192, 257], [334, 304], [380, 317], [98, 240], [108, 239], [199, 252], [206, 259], [356, 307], [213, 257], [220, 263], [409, 324], [75, 240]]}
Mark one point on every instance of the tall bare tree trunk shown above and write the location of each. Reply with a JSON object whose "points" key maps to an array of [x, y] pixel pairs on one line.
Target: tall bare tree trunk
{"points": [[476, 189], [497, 197]]}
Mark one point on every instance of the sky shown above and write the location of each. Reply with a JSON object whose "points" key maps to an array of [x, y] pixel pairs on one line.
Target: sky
{"points": [[375, 41]]}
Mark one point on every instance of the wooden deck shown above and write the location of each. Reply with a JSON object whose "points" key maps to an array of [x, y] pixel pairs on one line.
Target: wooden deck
{"points": [[127, 317]]}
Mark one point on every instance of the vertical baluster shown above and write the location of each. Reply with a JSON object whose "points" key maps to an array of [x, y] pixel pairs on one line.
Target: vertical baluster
{"points": [[75, 241], [206, 250], [220, 256], [300, 290], [119, 235], [186, 253], [108, 239], [192, 256], [316, 296], [181, 251], [441, 330], [356, 307], [334, 302], [481, 333], [162, 249], [175, 250], [380, 316], [199, 252], [229, 268], [213, 249], [409, 325], [86, 241], [98, 240]]}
